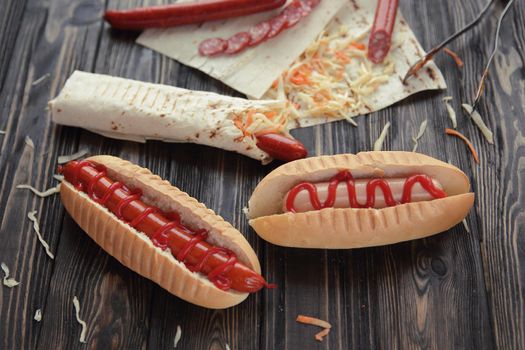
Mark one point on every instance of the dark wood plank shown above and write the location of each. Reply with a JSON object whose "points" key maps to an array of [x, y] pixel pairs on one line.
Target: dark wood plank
{"points": [[10, 22], [501, 185]]}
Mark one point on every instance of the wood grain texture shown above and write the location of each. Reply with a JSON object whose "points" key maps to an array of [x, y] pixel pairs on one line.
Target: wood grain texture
{"points": [[454, 290]]}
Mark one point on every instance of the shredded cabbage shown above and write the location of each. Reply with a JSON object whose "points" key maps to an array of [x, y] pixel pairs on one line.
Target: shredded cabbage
{"points": [[422, 129], [378, 145], [332, 78], [476, 118], [83, 333]]}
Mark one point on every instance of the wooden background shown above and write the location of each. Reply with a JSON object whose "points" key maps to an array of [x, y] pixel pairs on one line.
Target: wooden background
{"points": [[454, 290]]}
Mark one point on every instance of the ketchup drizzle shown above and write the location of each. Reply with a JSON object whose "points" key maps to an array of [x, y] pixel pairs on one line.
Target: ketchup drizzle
{"points": [[371, 186], [161, 237]]}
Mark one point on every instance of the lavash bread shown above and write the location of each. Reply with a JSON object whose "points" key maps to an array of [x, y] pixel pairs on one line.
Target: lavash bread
{"points": [[335, 228], [136, 251]]}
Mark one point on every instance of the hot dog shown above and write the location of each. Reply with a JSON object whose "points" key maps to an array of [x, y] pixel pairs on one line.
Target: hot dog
{"points": [[215, 256], [350, 201]]}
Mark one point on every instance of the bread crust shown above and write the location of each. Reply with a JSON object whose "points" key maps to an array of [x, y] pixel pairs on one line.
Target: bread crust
{"points": [[356, 228], [336, 228], [136, 251]]}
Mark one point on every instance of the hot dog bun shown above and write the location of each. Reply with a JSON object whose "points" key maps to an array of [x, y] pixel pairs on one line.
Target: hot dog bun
{"points": [[353, 228], [134, 250]]}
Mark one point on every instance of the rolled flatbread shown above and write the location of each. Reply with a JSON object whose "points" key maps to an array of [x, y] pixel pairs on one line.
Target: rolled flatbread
{"points": [[137, 111]]}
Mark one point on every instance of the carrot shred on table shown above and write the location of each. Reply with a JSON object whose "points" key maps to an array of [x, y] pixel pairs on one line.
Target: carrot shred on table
{"points": [[319, 336], [455, 56], [466, 140], [313, 321]]}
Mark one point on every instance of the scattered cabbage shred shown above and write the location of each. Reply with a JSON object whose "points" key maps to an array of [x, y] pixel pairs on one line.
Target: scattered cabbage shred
{"points": [[36, 226], [422, 129], [476, 118], [451, 112], [83, 333], [29, 142], [38, 315], [42, 194], [332, 78], [41, 79], [466, 225], [378, 145], [67, 158], [8, 282], [178, 335]]}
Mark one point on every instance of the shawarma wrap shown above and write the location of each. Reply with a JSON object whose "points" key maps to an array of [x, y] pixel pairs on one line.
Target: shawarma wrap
{"points": [[137, 111]]}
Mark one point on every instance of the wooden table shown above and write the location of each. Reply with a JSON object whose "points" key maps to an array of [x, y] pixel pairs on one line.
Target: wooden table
{"points": [[454, 290]]}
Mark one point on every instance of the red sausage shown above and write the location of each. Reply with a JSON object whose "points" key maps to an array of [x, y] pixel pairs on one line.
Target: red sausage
{"points": [[289, 17], [281, 147], [381, 33], [186, 13], [259, 32], [277, 25], [212, 46], [237, 43], [185, 244], [293, 14]]}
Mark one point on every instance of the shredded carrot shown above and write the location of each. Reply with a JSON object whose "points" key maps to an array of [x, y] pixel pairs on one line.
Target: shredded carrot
{"points": [[318, 65], [275, 84], [321, 97], [358, 46], [249, 118], [319, 336], [299, 79], [313, 321], [342, 57], [466, 140], [270, 115], [238, 124], [300, 75], [455, 56]]}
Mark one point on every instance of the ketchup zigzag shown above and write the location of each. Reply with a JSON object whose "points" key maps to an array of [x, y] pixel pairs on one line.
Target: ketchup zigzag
{"points": [[371, 186]]}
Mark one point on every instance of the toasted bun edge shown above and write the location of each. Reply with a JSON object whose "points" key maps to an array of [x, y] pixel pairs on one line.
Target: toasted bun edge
{"points": [[136, 251], [342, 228]]}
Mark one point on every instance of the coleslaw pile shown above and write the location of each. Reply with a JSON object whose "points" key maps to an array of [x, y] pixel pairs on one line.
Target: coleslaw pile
{"points": [[259, 122], [332, 78]]}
